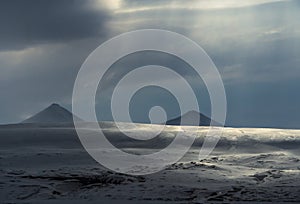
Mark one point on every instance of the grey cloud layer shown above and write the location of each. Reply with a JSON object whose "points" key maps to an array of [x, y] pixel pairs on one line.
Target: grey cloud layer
{"points": [[24, 23]]}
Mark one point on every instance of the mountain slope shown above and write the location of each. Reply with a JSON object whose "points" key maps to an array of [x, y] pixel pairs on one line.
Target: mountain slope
{"points": [[52, 114], [190, 117]]}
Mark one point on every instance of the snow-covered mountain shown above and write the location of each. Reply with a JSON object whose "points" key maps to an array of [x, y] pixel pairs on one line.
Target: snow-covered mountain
{"points": [[52, 114]]}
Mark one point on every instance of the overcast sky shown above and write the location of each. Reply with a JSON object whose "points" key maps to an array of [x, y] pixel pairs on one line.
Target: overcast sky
{"points": [[255, 45]]}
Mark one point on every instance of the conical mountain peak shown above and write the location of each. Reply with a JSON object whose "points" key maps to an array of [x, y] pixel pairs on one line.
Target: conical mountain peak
{"points": [[52, 114], [189, 118]]}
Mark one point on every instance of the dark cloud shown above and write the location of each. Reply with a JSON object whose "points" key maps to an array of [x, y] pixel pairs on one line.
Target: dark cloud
{"points": [[24, 23]]}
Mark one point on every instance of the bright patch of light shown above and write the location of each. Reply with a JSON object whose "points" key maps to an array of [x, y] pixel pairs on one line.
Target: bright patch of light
{"points": [[221, 4], [111, 5], [204, 4]]}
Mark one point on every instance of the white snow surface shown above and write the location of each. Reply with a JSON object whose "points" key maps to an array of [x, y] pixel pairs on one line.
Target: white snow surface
{"points": [[46, 163]]}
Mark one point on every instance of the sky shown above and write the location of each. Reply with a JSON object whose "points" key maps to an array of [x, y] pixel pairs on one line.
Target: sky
{"points": [[255, 45]]}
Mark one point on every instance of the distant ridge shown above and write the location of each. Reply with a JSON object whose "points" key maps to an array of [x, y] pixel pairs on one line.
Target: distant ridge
{"points": [[190, 117], [52, 114]]}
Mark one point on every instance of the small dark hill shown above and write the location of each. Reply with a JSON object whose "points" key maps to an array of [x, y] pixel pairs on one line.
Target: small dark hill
{"points": [[189, 119], [52, 114]]}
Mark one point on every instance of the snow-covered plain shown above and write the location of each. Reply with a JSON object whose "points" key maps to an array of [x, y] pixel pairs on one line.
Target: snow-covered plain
{"points": [[47, 164]]}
